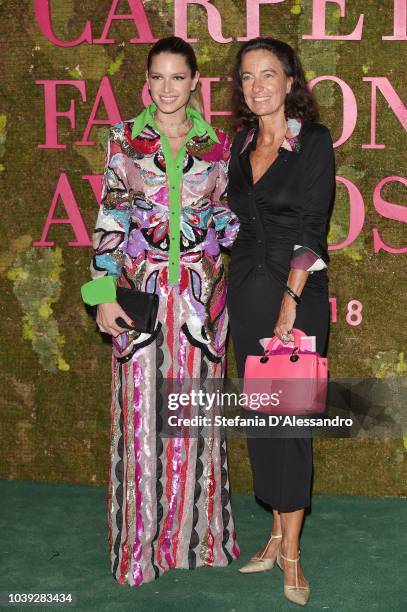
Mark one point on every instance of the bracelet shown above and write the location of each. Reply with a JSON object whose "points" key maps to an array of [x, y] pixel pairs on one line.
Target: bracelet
{"points": [[99, 290], [295, 297]]}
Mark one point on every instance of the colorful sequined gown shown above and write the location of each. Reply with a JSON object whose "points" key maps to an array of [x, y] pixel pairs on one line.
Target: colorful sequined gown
{"points": [[168, 501]]}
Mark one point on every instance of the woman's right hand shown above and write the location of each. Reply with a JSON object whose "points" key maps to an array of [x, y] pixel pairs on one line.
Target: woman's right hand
{"points": [[106, 315]]}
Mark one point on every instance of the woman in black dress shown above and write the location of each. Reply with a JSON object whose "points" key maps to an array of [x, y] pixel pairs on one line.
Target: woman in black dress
{"points": [[281, 186]]}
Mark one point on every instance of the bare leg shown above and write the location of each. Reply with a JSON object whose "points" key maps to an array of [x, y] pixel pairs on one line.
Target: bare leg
{"points": [[291, 526], [271, 548]]}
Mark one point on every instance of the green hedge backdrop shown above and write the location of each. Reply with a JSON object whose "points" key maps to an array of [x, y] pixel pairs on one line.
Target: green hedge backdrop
{"points": [[55, 396]]}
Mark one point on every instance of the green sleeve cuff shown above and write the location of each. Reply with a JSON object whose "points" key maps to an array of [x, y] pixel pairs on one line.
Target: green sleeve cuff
{"points": [[99, 290]]}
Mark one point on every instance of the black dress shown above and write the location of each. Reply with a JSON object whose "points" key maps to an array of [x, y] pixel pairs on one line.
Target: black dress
{"points": [[288, 206]]}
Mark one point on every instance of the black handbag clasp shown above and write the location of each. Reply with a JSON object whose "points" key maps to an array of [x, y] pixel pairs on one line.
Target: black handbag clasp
{"points": [[294, 355]]}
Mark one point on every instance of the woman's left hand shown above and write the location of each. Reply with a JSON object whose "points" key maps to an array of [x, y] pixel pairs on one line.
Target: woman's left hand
{"points": [[286, 320]]}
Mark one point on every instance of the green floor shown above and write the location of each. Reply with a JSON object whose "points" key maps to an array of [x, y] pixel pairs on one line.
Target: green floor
{"points": [[53, 538]]}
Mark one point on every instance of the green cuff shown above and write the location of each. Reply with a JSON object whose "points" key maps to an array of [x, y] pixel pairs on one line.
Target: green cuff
{"points": [[99, 290]]}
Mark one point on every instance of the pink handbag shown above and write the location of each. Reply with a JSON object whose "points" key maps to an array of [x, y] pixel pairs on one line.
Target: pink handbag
{"points": [[286, 381]]}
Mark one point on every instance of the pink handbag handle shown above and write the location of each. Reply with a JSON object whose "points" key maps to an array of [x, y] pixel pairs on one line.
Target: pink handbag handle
{"points": [[297, 340]]}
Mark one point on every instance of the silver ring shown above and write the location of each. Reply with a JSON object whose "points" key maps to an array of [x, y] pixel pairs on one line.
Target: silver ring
{"points": [[284, 337]]}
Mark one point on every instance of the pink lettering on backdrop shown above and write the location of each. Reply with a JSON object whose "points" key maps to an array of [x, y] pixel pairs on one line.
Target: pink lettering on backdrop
{"points": [[253, 17], [356, 214], [51, 114], [394, 102], [64, 190], [350, 109], [386, 209], [42, 11], [137, 15], [319, 22], [389, 211], [105, 94], [400, 21], [43, 16], [213, 15], [354, 312]]}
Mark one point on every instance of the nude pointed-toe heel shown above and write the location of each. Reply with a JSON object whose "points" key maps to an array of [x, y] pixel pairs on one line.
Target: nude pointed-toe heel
{"points": [[295, 593], [260, 563]]}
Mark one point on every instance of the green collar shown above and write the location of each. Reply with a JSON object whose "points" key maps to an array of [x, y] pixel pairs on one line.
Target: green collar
{"points": [[199, 128]]}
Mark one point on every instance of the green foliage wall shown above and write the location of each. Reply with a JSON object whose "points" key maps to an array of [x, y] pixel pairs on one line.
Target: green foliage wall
{"points": [[56, 368]]}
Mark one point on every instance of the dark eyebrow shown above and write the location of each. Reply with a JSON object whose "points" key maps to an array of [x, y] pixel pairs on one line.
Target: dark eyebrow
{"points": [[174, 74], [265, 70]]}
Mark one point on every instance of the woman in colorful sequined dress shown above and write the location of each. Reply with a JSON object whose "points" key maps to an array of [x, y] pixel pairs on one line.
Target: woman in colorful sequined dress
{"points": [[162, 220]]}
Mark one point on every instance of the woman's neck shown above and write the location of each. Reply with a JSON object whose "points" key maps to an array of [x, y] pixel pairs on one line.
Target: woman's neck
{"points": [[178, 118], [272, 128]]}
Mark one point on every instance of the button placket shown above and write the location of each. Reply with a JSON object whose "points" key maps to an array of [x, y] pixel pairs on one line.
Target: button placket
{"points": [[255, 221], [260, 240]]}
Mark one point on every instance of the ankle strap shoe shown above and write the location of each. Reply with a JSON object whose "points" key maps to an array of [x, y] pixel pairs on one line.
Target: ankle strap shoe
{"points": [[260, 563]]}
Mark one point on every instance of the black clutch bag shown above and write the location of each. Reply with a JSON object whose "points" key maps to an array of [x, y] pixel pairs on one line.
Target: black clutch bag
{"points": [[142, 307]]}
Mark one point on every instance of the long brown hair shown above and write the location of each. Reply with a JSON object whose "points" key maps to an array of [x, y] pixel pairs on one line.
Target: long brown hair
{"points": [[175, 44], [299, 102]]}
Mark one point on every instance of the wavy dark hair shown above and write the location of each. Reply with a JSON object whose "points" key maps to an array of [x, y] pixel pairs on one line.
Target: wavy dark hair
{"points": [[300, 102], [177, 45]]}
